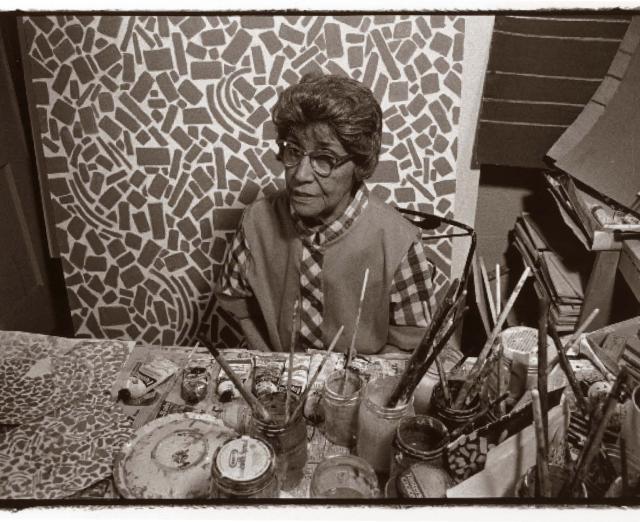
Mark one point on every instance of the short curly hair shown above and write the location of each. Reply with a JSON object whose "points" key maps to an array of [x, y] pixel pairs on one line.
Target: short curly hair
{"points": [[346, 105]]}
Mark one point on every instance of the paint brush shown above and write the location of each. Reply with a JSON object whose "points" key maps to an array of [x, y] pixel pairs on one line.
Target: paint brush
{"points": [[487, 289], [543, 320], [482, 357], [441, 372], [542, 464], [568, 371], [498, 290], [421, 352], [411, 377], [624, 473], [257, 408], [304, 396], [352, 346], [292, 349], [496, 402]]}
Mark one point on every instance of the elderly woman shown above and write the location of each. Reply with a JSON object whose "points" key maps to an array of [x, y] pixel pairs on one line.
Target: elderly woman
{"points": [[312, 242]]}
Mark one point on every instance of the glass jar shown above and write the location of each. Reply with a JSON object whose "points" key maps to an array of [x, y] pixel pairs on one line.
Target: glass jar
{"points": [[418, 439], [377, 424], [558, 476], [451, 417], [344, 477], [245, 467], [340, 402], [289, 440]]}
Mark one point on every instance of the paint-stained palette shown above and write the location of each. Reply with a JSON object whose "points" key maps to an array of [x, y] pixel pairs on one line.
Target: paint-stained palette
{"points": [[170, 457]]}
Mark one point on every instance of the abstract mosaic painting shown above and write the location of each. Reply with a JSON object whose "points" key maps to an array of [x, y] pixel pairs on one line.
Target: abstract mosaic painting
{"points": [[154, 133]]}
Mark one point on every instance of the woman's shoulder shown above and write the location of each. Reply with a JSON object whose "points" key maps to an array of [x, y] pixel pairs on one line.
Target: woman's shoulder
{"points": [[391, 217], [265, 207]]}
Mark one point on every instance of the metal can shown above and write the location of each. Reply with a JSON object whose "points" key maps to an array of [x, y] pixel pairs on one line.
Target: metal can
{"points": [[245, 467]]}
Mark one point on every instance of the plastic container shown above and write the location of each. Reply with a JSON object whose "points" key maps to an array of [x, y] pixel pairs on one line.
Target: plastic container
{"points": [[245, 467], [340, 402], [418, 439], [377, 424], [288, 441], [526, 486], [517, 369], [453, 418], [344, 477]]}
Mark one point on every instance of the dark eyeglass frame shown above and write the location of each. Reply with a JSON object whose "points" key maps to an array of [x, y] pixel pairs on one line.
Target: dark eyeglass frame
{"points": [[337, 161]]}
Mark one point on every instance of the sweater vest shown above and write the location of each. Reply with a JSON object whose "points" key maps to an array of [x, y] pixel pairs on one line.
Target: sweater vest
{"points": [[378, 239]]}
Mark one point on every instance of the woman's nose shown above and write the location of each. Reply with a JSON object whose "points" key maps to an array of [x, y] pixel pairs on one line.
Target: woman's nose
{"points": [[304, 170]]}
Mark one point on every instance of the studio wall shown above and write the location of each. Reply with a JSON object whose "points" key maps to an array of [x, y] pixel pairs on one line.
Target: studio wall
{"points": [[153, 133]]}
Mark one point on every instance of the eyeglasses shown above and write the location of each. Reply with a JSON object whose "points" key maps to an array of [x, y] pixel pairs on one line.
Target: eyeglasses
{"points": [[322, 161]]}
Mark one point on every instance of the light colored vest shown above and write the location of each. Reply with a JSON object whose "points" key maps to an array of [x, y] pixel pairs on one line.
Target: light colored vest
{"points": [[379, 239]]}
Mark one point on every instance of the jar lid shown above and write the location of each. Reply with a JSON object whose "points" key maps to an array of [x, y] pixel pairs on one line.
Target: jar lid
{"points": [[423, 481], [244, 459], [524, 339]]}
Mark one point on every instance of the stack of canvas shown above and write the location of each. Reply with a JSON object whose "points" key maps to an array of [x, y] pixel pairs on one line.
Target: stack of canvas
{"points": [[563, 282]]}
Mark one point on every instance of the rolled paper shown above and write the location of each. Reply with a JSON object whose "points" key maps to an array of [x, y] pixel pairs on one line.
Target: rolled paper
{"points": [[484, 353]]}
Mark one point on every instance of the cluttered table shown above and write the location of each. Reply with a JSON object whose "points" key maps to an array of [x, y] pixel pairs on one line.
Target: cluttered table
{"points": [[62, 424], [108, 419]]}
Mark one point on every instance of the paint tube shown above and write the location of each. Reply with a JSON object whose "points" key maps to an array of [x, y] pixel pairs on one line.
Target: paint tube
{"points": [[226, 390], [299, 374], [146, 377], [267, 375]]}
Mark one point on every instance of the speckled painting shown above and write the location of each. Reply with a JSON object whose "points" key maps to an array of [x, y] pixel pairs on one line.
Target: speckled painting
{"points": [[153, 133]]}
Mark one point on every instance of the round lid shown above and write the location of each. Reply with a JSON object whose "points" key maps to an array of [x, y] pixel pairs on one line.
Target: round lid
{"points": [[523, 339], [243, 459], [170, 457]]}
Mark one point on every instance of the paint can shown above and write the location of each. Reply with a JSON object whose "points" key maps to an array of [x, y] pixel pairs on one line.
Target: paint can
{"points": [[245, 467]]}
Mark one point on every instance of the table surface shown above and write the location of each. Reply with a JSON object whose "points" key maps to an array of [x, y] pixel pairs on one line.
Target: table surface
{"points": [[47, 439]]}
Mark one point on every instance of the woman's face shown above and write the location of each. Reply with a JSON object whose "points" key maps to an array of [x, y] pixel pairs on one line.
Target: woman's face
{"points": [[314, 198]]}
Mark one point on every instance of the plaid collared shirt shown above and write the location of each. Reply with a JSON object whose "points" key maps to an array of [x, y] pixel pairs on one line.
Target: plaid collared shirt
{"points": [[412, 284]]}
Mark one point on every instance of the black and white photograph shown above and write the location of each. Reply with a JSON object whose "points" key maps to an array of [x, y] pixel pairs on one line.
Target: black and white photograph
{"points": [[319, 258]]}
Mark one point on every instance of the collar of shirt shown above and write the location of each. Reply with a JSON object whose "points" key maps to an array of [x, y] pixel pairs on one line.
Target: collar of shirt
{"points": [[321, 234]]}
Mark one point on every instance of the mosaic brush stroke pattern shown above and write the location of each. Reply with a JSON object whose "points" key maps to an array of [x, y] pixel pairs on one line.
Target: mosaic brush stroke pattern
{"points": [[155, 133], [43, 373]]}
